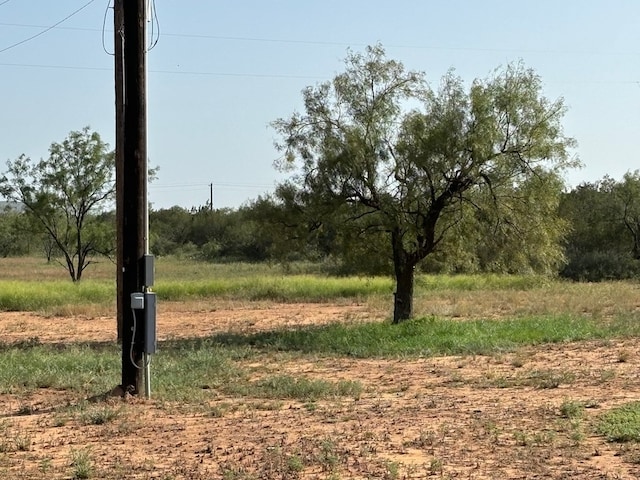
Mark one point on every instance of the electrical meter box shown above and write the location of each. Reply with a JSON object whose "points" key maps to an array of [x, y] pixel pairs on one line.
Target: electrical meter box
{"points": [[147, 270], [150, 343]]}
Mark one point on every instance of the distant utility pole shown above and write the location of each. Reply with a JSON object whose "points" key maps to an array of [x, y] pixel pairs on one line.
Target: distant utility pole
{"points": [[211, 195], [131, 177]]}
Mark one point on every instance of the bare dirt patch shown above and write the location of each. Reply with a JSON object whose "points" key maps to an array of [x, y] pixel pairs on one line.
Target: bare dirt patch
{"points": [[497, 417]]}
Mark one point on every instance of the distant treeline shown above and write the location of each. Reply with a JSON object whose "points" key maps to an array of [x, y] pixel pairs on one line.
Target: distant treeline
{"points": [[601, 239]]}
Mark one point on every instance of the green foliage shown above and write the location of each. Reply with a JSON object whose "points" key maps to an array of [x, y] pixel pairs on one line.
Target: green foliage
{"points": [[627, 195], [15, 234], [218, 235], [434, 336], [63, 193], [621, 424], [599, 265], [490, 156], [605, 220]]}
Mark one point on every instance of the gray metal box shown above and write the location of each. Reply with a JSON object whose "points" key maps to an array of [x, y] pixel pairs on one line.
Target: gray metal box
{"points": [[150, 344]]}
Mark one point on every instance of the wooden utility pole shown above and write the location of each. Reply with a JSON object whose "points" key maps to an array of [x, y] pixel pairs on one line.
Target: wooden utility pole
{"points": [[118, 41], [131, 179]]}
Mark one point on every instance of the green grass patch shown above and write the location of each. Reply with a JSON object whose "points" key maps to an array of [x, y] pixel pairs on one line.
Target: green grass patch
{"points": [[17, 295], [76, 367], [434, 336], [621, 424], [300, 288], [20, 295], [298, 388], [485, 281], [187, 370], [184, 371], [181, 372], [32, 285]]}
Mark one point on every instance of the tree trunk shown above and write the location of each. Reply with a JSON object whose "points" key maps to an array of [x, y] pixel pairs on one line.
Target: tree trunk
{"points": [[403, 266], [403, 297]]}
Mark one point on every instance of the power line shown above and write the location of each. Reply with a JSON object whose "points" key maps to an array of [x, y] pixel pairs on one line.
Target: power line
{"points": [[268, 75], [56, 67], [349, 44], [5, 1], [168, 72], [47, 28], [202, 186], [104, 27]]}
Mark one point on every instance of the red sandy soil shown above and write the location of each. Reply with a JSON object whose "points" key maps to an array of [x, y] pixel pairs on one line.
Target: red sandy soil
{"points": [[495, 417]]}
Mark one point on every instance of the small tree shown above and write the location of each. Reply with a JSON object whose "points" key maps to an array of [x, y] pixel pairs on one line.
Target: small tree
{"points": [[378, 140], [64, 192]]}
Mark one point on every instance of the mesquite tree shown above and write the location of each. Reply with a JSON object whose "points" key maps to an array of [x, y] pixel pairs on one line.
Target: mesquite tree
{"points": [[62, 194], [378, 141]]}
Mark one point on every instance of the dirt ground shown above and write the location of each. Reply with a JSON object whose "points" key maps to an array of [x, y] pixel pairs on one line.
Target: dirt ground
{"points": [[496, 417]]}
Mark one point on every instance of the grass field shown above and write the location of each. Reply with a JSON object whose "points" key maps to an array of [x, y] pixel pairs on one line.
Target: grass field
{"points": [[547, 368]]}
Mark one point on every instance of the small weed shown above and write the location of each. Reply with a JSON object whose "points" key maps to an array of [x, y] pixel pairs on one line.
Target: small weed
{"points": [[624, 356], [99, 415], [572, 409], [295, 464], [550, 379], [631, 453], [577, 433], [310, 406], [541, 439], [217, 411], [267, 406], [329, 458], [426, 438], [25, 409], [82, 464], [234, 473], [435, 466], [22, 443], [284, 386], [537, 439], [278, 464], [45, 465], [59, 420], [592, 403], [491, 429], [521, 438], [5, 446], [392, 471], [517, 362], [607, 376]]}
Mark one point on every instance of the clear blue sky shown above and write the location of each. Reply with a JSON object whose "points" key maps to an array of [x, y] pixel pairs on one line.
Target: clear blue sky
{"points": [[223, 70]]}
